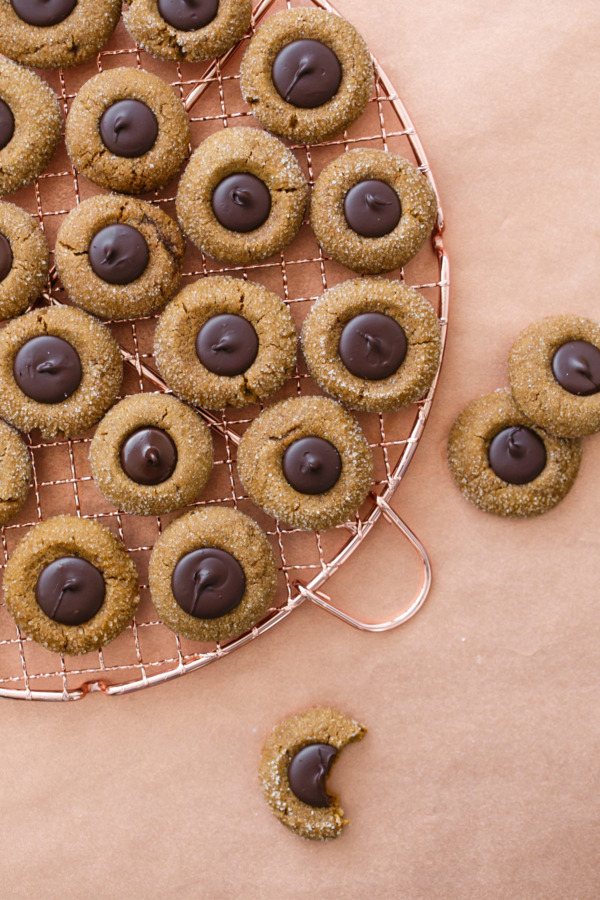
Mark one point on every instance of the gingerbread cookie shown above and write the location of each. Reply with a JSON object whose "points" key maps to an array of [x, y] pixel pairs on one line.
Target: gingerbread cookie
{"points": [[24, 260], [15, 473]]}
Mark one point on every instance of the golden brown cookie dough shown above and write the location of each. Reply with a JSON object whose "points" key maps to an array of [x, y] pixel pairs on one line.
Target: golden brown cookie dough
{"points": [[316, 726], [101, 371], [260, 462], [326, 321], [242, 150], [179, 39], [174, 470], [67, 537], [224, 530], [15, 473], [149, 170], [308, 125], [30, 124], [469, 445], [162, 243], [24, 260], [535, 388], [371, 255], [75, 32], [183, 319]]}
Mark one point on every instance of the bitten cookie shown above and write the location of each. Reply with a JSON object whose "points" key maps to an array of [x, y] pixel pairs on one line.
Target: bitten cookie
{"points": [[225, 342], [24, 260], [372, 344], [296, 760], [306, 461], [554, 371], [70, 585], [307, 75], [118, 257], [212, 574], [242, 197], [187, 30], [15, 473], [504, 463], [127, 131], [372, 211], [30, 124], [56, 34], [60, 370], [151, 454]]}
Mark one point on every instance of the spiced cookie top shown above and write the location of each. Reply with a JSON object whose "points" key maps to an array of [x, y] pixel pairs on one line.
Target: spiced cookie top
{"points": [[307, 75], [24, 259], [187, 30], [56, 34], [15, 473]]}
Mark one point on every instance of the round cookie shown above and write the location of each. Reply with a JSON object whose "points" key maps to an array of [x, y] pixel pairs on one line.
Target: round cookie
{"points": [[296, 759], [212, 574], [30, 124], [345, 178], [56, 34], [260, 186], [70, 585], [492, 435], [119, 257], [60, 370], [127, 131], [225, 342], [307, 75], [24, 260], [15, 473], [187, 31], [151, 454], [554, 372], [314, 444], [386, 332]]}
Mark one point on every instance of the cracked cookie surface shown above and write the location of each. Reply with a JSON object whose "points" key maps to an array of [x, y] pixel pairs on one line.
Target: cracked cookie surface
{"points": [[15, 473], [24, 260]]}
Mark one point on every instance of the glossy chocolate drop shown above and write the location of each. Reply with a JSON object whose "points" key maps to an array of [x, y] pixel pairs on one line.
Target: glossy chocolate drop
{"points": [[308, 771], [129, 128], [372, 208], [43, 13], [227, 345], [119, 254], [241, 202], [7, 124], [306, 73], [312, 465], [372, 346], [148, 456], [47, 369], [517, 455], [6, 257], [208, 583], [188, 15], [576, 367], [70, 590]]}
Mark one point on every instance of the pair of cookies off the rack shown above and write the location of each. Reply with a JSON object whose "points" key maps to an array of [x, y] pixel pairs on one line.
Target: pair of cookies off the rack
{"points": [[517, 453]]}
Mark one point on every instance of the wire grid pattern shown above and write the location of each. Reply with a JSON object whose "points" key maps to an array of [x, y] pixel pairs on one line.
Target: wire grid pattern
{"points": [[147, 652]]}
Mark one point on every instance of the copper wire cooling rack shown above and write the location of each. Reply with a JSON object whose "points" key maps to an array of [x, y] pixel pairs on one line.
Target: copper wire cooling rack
{"points": [[147, 652]]}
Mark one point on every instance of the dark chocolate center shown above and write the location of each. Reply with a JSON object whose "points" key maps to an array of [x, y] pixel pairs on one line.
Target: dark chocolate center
{"points": [[188, 15], [576, 367], [47, 369], [148, 456], [129, 128], [118, 254], [308, 771], [43, 13], [372, 346], [70, 590], [208, 583], [241, 202], [517, 455], [227, 345], [6, 257], [7, 124], [372, 208], [306, 73], [312, 465]]}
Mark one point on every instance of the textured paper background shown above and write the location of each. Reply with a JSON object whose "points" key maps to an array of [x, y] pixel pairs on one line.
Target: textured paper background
{"points": [[478, 779]]}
